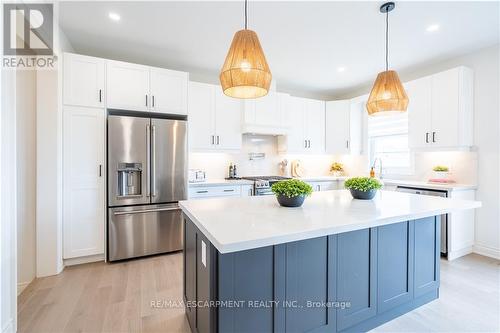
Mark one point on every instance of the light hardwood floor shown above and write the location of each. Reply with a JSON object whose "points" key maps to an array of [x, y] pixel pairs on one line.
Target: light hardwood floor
{"points": [[117, 298]]}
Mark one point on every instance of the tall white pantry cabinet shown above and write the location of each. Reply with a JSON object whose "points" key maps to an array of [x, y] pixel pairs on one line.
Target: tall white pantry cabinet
{"points": [[84, 120]]}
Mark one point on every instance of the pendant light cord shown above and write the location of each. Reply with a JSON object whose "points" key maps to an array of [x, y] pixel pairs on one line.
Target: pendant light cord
{"points": [[246, 15], [386, 40]]}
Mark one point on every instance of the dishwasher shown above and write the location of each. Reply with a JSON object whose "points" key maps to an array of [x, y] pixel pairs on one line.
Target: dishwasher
{"points": [[444, 217]]}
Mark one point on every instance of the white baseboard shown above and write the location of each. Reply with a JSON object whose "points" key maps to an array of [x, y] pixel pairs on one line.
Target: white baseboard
{"points": [[84, 260], [452, 255], [9, 327], [21, 286], [487, 251]]}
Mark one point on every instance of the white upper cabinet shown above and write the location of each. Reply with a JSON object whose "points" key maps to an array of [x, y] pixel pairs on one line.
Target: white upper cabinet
{"points": [[214, 119], [338, 127], [83, 80], [127, 86], [227, 121], [169, 91], [305, 119], [201, 105], [143, 88], [344, 124], [419, 112], [440, 110], [264, 115], [314, 124]]}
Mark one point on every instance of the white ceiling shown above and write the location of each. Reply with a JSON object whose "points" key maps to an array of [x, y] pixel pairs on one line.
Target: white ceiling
{"points": [[304, 42]]}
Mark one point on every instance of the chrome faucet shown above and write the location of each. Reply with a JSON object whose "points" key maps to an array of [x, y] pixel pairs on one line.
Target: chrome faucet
{"points": [[380, 164]]}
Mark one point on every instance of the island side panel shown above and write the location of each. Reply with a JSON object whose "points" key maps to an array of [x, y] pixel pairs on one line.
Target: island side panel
{"points": [[427, 254], [395, 269], [246, 277]]}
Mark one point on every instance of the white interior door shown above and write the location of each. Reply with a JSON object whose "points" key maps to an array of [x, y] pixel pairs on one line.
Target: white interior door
{"points": [[337, 125], [201, 118], [83, 80], [83, 181], [227, 121], [445, 108], [419, 112], [169, 91], [314, 118], [127, 86]]}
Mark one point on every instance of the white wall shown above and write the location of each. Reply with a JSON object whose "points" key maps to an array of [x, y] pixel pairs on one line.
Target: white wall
{"points": [[49, 162], [26, 181]]}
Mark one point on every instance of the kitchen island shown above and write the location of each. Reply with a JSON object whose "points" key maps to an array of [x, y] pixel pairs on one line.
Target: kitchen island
{"points": [[335, 264]]}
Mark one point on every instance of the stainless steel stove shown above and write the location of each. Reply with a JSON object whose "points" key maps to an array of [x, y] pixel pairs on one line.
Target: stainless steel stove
{"points": [[262, 184]]}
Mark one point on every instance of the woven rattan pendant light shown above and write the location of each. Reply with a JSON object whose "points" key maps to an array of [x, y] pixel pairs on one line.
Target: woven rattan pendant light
{"points": [[245, 73], [388, 95]]}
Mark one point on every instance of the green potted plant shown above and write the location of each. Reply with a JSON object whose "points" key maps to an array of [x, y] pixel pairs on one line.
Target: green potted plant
{"points": [[291, 192], [363, 188]]}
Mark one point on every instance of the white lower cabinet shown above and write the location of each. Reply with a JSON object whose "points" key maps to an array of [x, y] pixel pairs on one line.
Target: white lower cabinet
{"points": [[214, 191], [84, 211], [326, 185]]}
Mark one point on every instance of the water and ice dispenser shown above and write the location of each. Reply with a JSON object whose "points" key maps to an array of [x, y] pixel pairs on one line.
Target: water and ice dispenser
{"points": [[129, 180]]}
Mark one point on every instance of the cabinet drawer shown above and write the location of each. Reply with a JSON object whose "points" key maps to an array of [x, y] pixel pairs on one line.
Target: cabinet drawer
{"points": [[214, 191]]}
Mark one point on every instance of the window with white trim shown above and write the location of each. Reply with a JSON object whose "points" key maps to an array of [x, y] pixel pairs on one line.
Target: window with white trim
{"points": [[388, 140]]}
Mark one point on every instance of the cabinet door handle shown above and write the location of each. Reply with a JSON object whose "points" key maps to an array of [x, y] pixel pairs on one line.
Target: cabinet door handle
{"points": [[305, 143], [153, 100], [433, 136], [309, 143], [427, 137], [212, 139], [205, 191], [100, 95], [146, 99], [232, 190], [100, 170], [218, 140], [347, 144]]}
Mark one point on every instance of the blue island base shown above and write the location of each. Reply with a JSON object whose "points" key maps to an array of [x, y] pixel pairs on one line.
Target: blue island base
{"points": [[348, 282]]}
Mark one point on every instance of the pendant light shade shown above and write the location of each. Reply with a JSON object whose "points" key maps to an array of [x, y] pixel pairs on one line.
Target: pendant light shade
{"points": [[388, 95], [245, 73]]}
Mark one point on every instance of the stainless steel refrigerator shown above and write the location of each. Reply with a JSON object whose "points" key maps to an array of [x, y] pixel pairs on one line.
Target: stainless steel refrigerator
{"points": [[147, 176]]}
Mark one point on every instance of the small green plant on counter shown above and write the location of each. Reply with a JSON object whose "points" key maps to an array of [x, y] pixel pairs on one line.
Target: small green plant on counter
{"points": [[441, 168], [292, 188], [363, 184]]}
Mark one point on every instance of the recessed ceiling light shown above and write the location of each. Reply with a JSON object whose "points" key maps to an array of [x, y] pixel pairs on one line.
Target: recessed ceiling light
{"points": [[340, 69], [114, 16], [433, 27]]}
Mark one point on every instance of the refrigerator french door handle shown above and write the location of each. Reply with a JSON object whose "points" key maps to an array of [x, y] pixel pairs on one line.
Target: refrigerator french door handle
{"points": [[142, 211], [153, 161], [148, 158]]}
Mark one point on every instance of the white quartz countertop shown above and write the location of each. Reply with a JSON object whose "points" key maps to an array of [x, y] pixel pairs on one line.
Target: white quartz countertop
{"points": [[428, 185], [236, 224], [321, 178], [221, 182]]}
